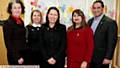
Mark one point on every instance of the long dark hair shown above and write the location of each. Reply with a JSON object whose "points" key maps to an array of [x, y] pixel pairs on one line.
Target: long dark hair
{"points": [[80, 13], [58, 20]]}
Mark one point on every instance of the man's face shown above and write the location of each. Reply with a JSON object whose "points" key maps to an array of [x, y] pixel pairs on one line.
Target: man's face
{"points": [[97, 9]]}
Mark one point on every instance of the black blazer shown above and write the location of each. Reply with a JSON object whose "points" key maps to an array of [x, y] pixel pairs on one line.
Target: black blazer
{"points": [[14, 36], [54, 42], [105, 39], [34, 40], [32, 53]]}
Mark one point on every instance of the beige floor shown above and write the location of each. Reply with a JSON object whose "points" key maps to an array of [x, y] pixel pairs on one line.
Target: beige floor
{"points": [[3, 57]]}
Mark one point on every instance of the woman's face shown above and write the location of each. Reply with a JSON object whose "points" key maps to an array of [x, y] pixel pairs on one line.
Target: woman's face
{"points": [[16, 9], [36, 17], [76, 18], [53, 16]]}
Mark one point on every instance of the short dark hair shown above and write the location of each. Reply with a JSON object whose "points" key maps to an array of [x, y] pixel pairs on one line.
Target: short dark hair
{"points": [[52, 8], [99, 1], [33, 13], [10, 6]]}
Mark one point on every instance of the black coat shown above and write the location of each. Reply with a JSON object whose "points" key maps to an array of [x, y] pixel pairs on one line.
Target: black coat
{"points": [[14, 36], [105, 39], [32, 52], [54, 44]]}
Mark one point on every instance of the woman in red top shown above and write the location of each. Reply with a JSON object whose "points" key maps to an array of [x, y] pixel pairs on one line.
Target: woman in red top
{"points": [[80, 42]]}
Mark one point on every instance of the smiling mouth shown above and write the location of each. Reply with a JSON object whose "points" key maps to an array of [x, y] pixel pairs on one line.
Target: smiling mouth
{"points": [[76, 19]]}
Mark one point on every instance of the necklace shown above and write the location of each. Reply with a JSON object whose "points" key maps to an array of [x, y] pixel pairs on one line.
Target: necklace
{"points": [[78, 34]]}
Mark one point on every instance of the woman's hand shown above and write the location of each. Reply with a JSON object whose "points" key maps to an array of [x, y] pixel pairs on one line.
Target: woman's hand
{"points": [[51, 61], [20, 61], [83, 64]]}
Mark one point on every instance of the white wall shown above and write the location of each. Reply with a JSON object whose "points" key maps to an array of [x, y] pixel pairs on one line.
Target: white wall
{"points": [[66, 7]]}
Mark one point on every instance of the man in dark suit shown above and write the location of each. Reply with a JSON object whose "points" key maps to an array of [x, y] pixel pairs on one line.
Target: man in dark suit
{"points": [[105, 36]]}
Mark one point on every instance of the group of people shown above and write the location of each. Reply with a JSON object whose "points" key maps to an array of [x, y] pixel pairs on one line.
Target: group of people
{"points": [[86, 45]]}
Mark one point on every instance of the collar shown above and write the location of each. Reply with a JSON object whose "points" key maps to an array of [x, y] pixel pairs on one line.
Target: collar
{"points": [[17, 19], [36, 25], [99, 17]]}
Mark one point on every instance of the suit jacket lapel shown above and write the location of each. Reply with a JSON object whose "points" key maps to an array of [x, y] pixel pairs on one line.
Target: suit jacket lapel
{"points": [[100, 24], [90, 22]]}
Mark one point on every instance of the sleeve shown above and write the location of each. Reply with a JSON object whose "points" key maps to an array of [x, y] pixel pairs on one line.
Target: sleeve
{"points": [[8, 38], [8, 32], [112, 39], [90, 45], [62, 47], [42, 48]]}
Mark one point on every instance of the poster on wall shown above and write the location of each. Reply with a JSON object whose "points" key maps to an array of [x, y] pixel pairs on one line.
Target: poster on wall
{"points": [[66, 7]]}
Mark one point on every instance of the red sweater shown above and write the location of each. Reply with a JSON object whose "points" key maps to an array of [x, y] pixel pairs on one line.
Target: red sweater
{"points": [[80, 45]]}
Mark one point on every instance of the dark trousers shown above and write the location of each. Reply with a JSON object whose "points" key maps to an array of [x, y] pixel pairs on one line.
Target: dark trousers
{"points": [[98, 65], [32, 59], [12, 61]]}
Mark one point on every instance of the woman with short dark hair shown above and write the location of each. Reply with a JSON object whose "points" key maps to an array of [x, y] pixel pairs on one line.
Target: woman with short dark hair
{"points": [[14, 33]]}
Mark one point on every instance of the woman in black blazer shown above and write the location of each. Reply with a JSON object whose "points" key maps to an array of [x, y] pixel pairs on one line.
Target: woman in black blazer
{"points": [[54, 38], [34, 41], [14, 33]]}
